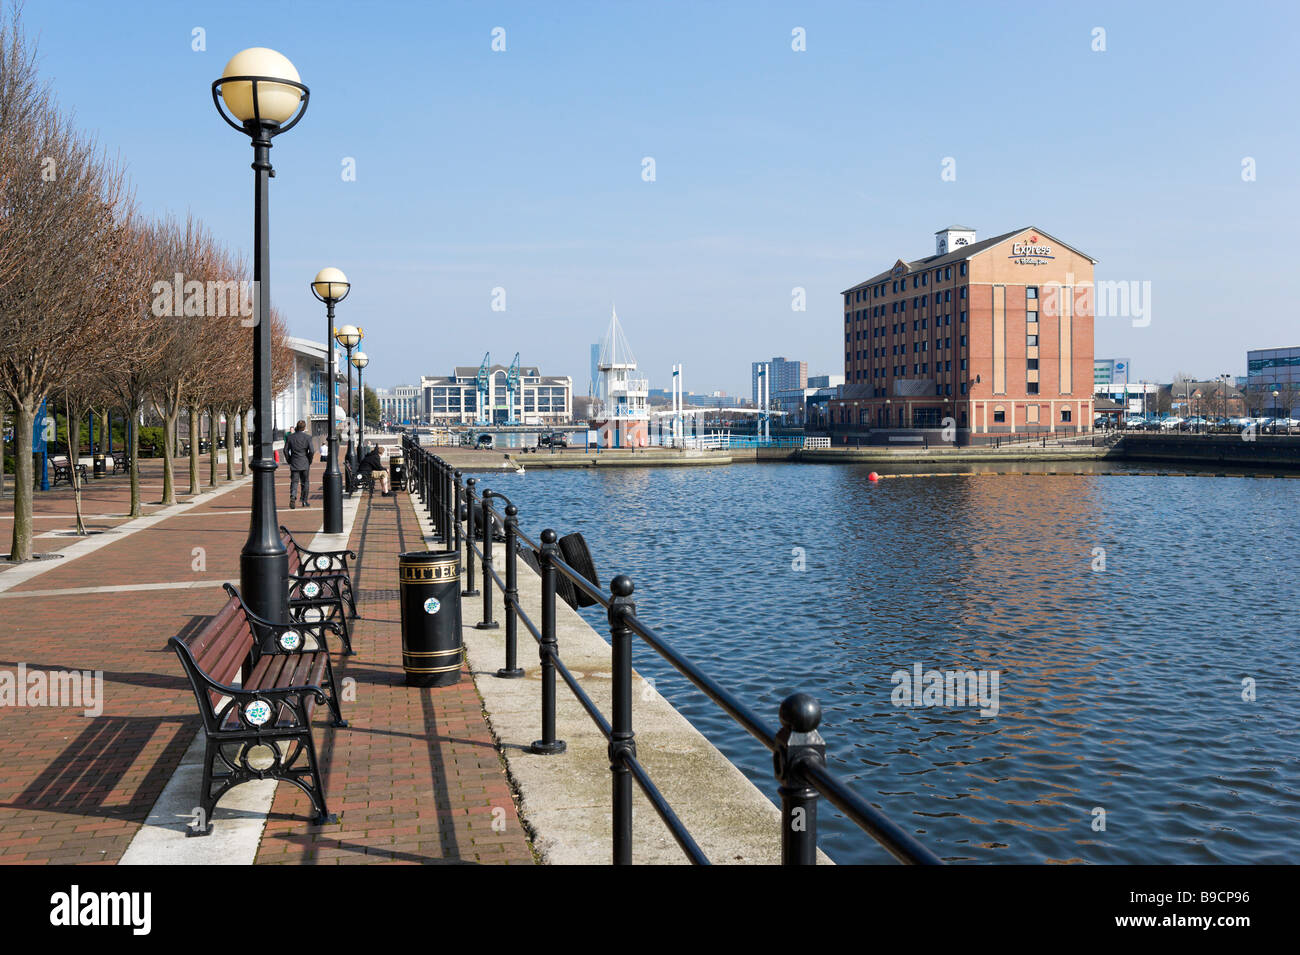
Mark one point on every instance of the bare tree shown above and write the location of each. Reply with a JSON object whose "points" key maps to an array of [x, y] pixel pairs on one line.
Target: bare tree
{"points": [[58, 200]]}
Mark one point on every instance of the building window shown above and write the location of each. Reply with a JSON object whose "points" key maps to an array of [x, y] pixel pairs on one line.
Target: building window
{"points": [[1031, 291], [1032, 363], [1031, 388], [999, 416], [1065, 414], [963, 272], [947, 273], [1031, 340]]}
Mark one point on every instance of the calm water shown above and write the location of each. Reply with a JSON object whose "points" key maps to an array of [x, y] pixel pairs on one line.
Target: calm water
{"points": [[1118, 689]]}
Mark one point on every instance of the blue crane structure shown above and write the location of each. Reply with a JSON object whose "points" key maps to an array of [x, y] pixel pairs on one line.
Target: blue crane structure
{"points": [[514, 399], [481, 382]]}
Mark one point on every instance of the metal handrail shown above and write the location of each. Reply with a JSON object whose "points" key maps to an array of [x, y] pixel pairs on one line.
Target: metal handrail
{"points": [[799, 750]]}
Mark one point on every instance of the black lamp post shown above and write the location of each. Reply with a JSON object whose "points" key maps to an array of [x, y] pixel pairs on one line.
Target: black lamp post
{"points": [[359, 362], [331, 286], [260, 88], [349, 336]]}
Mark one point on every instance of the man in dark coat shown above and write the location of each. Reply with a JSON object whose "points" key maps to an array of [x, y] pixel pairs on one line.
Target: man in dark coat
{"points": [[373, 466], [298, 449]]}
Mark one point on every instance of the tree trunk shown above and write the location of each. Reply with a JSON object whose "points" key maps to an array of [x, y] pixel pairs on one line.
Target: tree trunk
{"points": [[194, 449], [133, 445], [4, 407], [169, 465], [212, 446], [243, 440], [24, 419], [74, 454], [230, 445]]}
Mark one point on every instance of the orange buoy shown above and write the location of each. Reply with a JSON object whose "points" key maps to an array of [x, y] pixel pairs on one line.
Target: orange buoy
{"points": [[873, 477]]}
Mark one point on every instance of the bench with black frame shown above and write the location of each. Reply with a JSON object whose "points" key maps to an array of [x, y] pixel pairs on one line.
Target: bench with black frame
{"points": [[321, 563], [63, 470], [257, 684], [121, 462], [319, 598]]}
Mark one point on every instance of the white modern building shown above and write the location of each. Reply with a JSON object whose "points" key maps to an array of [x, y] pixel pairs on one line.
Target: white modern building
{"points": [[307, 396], [400, 405], [535, 398]]}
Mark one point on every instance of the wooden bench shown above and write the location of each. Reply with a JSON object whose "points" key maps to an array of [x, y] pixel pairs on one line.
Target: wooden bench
{"points": [[257, 684], [63, 470], [319, 597], [306, 562]]}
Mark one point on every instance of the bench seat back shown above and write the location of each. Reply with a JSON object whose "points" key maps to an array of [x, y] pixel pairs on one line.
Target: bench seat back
{"points": [[220, 650]]}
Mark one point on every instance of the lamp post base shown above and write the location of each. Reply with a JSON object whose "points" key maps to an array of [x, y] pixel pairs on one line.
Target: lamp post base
{"points": [[332, 489]]}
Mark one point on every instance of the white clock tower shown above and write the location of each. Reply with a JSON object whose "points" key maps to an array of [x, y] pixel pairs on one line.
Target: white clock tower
{"points": [[953, 238]]}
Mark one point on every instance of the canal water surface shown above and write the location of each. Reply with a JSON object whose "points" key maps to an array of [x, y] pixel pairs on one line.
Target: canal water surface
{"points": [[1142, 629]]}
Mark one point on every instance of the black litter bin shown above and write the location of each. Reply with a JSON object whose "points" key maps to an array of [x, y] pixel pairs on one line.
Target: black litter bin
{"points": [[397, 471], [100, 464], [430, 599]]}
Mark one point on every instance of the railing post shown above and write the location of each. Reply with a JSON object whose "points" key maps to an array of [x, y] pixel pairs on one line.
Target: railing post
{"points": [[622, 740], [455, 486], [797, 744], [487, 623], [548, 649], [449, 515], [512, 670], [470, 590]]}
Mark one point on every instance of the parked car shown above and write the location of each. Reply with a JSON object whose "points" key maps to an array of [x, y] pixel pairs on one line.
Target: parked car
{"points": [[484, 440]]}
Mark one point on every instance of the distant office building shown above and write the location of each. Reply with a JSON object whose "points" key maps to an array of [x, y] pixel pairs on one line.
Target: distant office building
{"points": [[400, 405], [794, 401], [995, 334], [1273, 381], [537, 399], [1110, 371], [782, 375]]}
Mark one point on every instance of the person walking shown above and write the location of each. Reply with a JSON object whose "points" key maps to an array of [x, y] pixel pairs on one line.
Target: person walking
{"points": [[299, 450]]}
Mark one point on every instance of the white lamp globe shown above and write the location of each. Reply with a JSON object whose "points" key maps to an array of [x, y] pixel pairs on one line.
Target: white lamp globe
{"points": [[331, 284], [360, 359], [276, 102]]}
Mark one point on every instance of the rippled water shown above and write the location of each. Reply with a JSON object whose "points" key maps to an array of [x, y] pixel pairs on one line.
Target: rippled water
{"points": [[1119, 690]]}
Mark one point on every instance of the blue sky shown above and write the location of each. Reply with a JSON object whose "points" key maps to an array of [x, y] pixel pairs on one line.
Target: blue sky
{"points": [[774, 169]]}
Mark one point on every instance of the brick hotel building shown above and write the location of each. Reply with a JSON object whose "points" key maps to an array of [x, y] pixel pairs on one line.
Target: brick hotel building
{"points": [[995, 334]]}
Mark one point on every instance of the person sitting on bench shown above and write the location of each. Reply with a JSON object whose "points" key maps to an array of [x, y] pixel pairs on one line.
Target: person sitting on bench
{"points": [[373, 467]]}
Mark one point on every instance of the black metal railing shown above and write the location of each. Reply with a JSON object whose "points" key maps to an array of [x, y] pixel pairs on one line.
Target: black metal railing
{"points": [[798, 749]]}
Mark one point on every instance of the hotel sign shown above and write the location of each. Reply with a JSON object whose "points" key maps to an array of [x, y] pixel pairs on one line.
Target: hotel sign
{"points": [[1031, 253]]}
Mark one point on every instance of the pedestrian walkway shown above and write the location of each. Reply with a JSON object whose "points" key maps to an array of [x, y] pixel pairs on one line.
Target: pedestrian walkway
{"points": [[416, 777], [411, 780]]}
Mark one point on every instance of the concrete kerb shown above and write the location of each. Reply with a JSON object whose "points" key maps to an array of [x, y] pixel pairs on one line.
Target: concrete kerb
{"points": [[566, 799], [240, 818]]}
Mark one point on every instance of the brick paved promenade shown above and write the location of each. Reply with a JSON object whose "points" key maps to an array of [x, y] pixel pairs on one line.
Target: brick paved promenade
{"points": [[415, 779]]}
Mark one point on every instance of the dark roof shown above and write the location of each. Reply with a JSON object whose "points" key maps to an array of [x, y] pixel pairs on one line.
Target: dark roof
{"points": [[956, 228], [961, 254]]}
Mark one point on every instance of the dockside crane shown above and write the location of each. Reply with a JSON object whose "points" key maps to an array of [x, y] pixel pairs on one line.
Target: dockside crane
{"points": [[481, 383], [513, 398]]}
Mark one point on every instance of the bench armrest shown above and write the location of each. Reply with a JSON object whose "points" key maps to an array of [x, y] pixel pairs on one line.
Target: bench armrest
{"points": [[323, 587]]}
